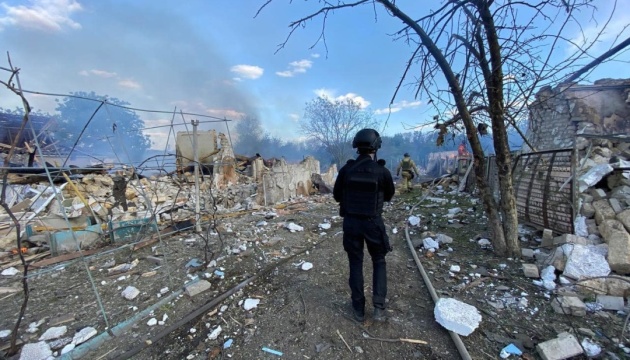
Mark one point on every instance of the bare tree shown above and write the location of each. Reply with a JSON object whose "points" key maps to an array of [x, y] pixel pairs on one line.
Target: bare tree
{"points": [[10, 84], [333, 123], [494, 55]]}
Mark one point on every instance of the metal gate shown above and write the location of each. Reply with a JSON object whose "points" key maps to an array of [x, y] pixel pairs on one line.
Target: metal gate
{"points": [[544, 189]]}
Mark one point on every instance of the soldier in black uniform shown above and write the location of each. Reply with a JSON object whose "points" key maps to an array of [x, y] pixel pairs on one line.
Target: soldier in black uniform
{"points": [[361, 188]]}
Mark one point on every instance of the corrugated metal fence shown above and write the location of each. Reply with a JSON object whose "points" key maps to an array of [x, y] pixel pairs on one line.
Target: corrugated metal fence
{"points": [[543, 187]]}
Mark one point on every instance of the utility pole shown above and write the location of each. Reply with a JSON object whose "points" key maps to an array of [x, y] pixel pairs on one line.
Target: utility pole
{"points": [[195, 123]]}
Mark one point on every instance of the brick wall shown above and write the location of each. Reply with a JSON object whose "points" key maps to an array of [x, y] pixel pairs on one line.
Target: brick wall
{"points": [[558, 114]]}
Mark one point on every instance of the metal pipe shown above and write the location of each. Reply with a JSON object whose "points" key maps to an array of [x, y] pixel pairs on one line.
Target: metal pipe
{"points": [[195, 123], [461, 348], [82, 350]]}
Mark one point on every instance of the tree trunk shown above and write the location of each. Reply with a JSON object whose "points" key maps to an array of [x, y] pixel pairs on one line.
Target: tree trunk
{"points": [[494, 219], [502, 149]]}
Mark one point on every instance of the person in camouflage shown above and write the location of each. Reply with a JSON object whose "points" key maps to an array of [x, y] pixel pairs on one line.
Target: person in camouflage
{"points": [[409, 169]]}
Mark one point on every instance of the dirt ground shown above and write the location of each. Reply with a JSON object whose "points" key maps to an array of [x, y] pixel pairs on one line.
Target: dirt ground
{"points": [[304, 314]]}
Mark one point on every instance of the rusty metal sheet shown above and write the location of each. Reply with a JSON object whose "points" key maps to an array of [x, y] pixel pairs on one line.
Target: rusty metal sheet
{"points": [[544, 190]]}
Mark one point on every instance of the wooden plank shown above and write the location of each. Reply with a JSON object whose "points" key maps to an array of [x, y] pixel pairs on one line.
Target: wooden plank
{"points": [[64, 257]]}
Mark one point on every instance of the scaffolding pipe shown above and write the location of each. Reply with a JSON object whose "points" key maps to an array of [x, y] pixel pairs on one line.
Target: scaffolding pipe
{"points": [[195, 123]]}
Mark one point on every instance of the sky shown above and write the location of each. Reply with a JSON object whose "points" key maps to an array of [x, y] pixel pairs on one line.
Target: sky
{"points": [[219, 58]]}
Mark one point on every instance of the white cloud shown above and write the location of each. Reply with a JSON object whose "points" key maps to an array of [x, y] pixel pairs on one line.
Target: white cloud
{"points": [[129, 84], [294, 117], [44, 15], [315, 56], [354, 98], [225, 113], [396, 107], [331, 95], [296, 67], [247, 71], [99, 73]]}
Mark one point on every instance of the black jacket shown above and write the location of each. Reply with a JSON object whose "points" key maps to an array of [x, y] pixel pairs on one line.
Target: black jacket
{"points": [[385, 182]]}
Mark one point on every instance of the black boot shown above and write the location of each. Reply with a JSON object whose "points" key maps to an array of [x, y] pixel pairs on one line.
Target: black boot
{"points": [[358, 315], [379, 315]]}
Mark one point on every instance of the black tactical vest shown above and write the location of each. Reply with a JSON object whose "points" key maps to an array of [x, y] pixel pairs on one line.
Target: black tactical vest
{"points": [[361, 193]]}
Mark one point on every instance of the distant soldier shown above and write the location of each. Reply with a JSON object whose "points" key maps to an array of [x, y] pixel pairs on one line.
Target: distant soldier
{"points": [[408, 168]]}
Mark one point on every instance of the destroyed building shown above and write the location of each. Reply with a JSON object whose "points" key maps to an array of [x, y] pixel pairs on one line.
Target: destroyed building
{"points": [[576, 183]]}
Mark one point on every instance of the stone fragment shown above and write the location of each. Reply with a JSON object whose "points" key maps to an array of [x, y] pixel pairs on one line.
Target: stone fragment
{"points": [[36, 351], [130, 293], [618, 287], [588, 210], [197, 287], [250, 304], [571, 239], [4, 333], [307, 266], [603, 210], [618, 240], [83, 335], [615, 303], [615, 205], [624, 217], [457, 316], [527, 253], [152, 322], [60, 343], [593, 286], [560, 348], [547, 238], [585, 262], [621, 192], [215, 333], [531, 271], [9, 271], [53, 333], [569, 305], [66, 349], [429, 243], [443, 239], [598, 194]]}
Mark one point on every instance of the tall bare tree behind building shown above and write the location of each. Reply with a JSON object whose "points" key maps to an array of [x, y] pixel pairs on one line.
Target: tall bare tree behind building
{"points": [[479, 63], [333, 123]]}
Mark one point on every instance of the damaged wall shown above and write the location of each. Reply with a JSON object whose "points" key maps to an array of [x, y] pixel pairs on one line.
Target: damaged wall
{"points": [[558, 114], [283, 181]]}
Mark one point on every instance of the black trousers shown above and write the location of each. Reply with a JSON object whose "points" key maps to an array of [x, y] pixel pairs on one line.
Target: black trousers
{"points": [[371, 232]]}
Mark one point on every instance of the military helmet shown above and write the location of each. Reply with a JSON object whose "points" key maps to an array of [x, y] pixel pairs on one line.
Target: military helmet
{"points": [[367, 139], [406, 155]]}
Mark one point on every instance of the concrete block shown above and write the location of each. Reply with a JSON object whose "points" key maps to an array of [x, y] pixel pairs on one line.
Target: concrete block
{"points": [[586, 198], [593, 287], [587, 210], [547, 238], [598, 194], [197, 287], [569, 305], [527, 253], [603, 210], [618, 287], [560, 348], [571, 239], [585, 262], [615, 205], [615, 303], [618, 240], [621, 192], [36, 351], [531, 271], [457, 316], [624, 217]]}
